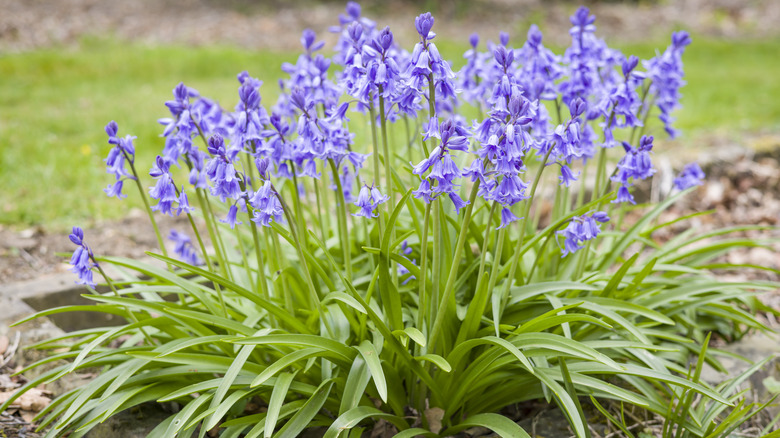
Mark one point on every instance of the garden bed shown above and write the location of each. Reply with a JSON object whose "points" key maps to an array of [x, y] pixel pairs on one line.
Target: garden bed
{"points": [[741, 188]]}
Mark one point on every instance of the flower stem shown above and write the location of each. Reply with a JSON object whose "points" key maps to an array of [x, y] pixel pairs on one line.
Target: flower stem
{"points": [[130, 314], [478, 301], [342, 219], [388, 175], [516, 257], [458, 254], [149, 212]]}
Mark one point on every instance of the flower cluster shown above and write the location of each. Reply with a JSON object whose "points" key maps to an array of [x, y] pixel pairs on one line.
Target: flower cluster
{"points": [[690, 176], [440, 167], [581, 229], [184, 248], [635, 165], [666, 73], [123, 152], [82, 260]]}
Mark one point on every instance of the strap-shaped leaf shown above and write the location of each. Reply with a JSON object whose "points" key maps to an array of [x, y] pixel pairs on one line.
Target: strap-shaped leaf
{"points": [[303, 417], [370, 355], [354, 416], [499, 424], [284, 362], [436, 360], [276, 402]]}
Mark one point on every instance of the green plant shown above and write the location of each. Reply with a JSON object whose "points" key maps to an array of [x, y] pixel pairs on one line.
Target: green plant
{"points": [[328, 319]]}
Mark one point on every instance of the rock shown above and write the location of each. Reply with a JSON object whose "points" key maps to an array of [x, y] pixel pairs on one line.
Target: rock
{"points": [[136, 422]]}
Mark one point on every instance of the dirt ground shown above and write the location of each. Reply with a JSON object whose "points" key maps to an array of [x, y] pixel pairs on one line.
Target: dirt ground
{"points": [[27, 24]]}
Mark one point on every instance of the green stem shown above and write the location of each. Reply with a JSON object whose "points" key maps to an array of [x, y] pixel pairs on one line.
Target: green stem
{"points": [[422, 310], [318, 194], [301, 223], [226, 271], [528, 202], [244, 258], [130, 314], [342, 219], [477, 304], [450, 286], [388, 175], [149, 212], [260, 263], [304, 265]]}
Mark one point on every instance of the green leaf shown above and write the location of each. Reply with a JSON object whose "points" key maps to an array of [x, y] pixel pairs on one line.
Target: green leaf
{"points": [[413, 334], [436, 360], [284, 362], [371, 357], [354, 416], [499, 424], [227, 380], [342, 352], [357, 380], [459, 352], [303, 417], [276, 402]]}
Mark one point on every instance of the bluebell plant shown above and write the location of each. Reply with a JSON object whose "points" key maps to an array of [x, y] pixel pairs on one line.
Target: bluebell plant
{"points": [[428, 250]]}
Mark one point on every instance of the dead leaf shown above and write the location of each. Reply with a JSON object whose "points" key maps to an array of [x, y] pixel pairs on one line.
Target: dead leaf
{"points": [[28, 416], [6, 382], [32, 400], [434, 417], [4, 343]]}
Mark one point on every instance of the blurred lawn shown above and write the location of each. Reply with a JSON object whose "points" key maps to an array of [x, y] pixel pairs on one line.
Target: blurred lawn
{"points": [[55, 102]]}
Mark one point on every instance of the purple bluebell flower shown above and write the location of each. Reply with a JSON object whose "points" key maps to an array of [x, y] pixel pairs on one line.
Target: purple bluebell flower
{"points": [[425, 65], [220, 169], [231, 218], [666, 73], [266, 205], [443, 174], [184, 248], [122, 152], [184, 203], [623, 195], [368, 200], [581, 229], [636, 164], [507, 217], [164, 190], [690, 176], [180, 128], [82, 260], [405, 251]]}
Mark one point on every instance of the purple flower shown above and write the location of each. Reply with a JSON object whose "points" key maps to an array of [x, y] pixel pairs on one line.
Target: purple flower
{"points": [[220, 170], [82, 260], [507, 217], [635, 165], [164, 190], [184, 204], [581, 229], [184, 248], [424, 23], [266, 205], [405, 251], [231, 218], [691, 176], [666, 73], [368, 200], [122, 152]]}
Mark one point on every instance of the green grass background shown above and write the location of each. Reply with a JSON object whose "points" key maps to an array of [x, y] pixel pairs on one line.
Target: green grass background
{"points": [[54, 103]]}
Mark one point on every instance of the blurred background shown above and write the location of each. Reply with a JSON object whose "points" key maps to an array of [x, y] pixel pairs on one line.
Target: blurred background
{"points": [[68, 67]]}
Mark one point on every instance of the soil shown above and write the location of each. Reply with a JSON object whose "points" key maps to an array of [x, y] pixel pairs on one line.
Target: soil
{"points": [[276, 24]]}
